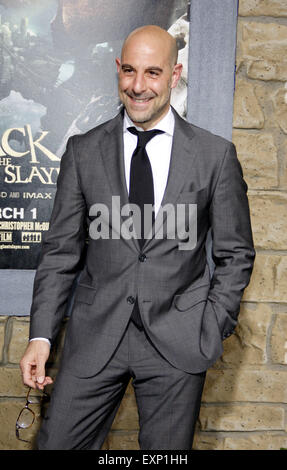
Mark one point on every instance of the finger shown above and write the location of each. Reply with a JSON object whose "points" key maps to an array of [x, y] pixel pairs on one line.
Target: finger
{"points": [[40, 370], [40, 386], [27, 376], [28, 382], [47, 381]]}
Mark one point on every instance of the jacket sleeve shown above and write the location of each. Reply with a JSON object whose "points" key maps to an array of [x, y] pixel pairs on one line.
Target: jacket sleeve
{"points": [[62, 251], [232, 243]]}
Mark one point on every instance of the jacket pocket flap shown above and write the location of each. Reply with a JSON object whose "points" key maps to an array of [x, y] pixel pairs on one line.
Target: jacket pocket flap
{"points": [[193, 197], [191, 297], [84, 293]]}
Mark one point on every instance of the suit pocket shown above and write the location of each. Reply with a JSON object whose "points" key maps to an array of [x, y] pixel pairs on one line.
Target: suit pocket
{"points": [[191, 298], [193, 197], [196, 293], [85, 293]]}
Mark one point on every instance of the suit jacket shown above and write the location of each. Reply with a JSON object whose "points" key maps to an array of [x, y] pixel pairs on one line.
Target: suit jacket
{"points": [[186, 312]]}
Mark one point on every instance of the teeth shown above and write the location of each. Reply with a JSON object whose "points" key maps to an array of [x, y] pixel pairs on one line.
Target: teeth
{"points": [[141, 100]]}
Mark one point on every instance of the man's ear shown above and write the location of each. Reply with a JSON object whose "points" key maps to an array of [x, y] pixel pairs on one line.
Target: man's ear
{"points": [[118, 63], [176, 74]]}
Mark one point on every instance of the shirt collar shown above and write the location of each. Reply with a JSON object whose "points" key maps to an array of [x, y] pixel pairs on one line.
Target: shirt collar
{"points": [[166, 124]]}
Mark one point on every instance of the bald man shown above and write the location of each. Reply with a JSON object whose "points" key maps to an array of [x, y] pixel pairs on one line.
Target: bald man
{"points": [[146, 307]]}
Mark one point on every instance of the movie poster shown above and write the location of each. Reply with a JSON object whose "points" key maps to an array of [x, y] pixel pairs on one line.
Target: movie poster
{"points": [[57, 79]]}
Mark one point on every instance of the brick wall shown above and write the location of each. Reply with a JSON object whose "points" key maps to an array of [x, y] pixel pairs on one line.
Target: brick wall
{"points": [[245, 396]]}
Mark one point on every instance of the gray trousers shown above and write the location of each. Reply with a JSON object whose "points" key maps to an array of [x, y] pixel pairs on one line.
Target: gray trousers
{"points": [[82, 410]]}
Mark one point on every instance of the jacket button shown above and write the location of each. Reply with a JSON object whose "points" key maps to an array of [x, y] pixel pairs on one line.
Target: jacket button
{"points": [[131, 300], [142, 257]]}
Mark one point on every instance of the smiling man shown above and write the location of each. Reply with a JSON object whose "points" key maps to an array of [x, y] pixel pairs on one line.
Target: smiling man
{"points": [[144, 308]]}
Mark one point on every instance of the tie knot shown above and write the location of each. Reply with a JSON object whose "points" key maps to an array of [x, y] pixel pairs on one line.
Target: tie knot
{"points": [[144, 136]]}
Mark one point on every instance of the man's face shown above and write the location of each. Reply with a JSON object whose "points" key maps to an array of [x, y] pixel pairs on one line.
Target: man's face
{"points": [[146, 77]]}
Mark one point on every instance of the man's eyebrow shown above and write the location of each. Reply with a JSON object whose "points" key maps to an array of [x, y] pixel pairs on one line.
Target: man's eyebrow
{"points": [[155, 67], [127, 66], [152, 67]]}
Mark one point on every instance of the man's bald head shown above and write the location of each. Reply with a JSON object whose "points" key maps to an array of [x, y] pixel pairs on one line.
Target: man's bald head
{"points": [[148, 71], [155, 34]]}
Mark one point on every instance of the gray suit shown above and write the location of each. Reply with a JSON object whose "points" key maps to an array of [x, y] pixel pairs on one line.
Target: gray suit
{"points": [[186, 315]]}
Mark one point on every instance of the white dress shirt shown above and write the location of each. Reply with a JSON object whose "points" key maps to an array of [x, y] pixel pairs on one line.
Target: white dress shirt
{"points": [[158, 150], [159, 153]]}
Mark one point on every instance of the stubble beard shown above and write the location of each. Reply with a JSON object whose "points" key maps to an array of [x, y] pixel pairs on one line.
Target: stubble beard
{"points": [[151, 115]]}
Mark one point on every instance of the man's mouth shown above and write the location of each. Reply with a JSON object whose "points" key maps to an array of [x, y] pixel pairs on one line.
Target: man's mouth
{"points": [[140, 100]]}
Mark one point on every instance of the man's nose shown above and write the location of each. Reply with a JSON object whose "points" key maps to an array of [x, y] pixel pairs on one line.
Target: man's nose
{"points": [[139, 84]]}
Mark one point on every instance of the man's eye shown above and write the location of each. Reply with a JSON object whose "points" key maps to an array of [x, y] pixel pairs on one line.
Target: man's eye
{"points": [[127, 70], [153, 73]]}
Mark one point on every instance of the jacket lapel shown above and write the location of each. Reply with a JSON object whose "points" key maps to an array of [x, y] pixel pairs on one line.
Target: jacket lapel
{"points": [[112, 148], [182, 159]]}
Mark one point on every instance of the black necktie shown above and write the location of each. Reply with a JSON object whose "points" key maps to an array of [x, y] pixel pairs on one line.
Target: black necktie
{"points": [[141, 180], [141, 190]]}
